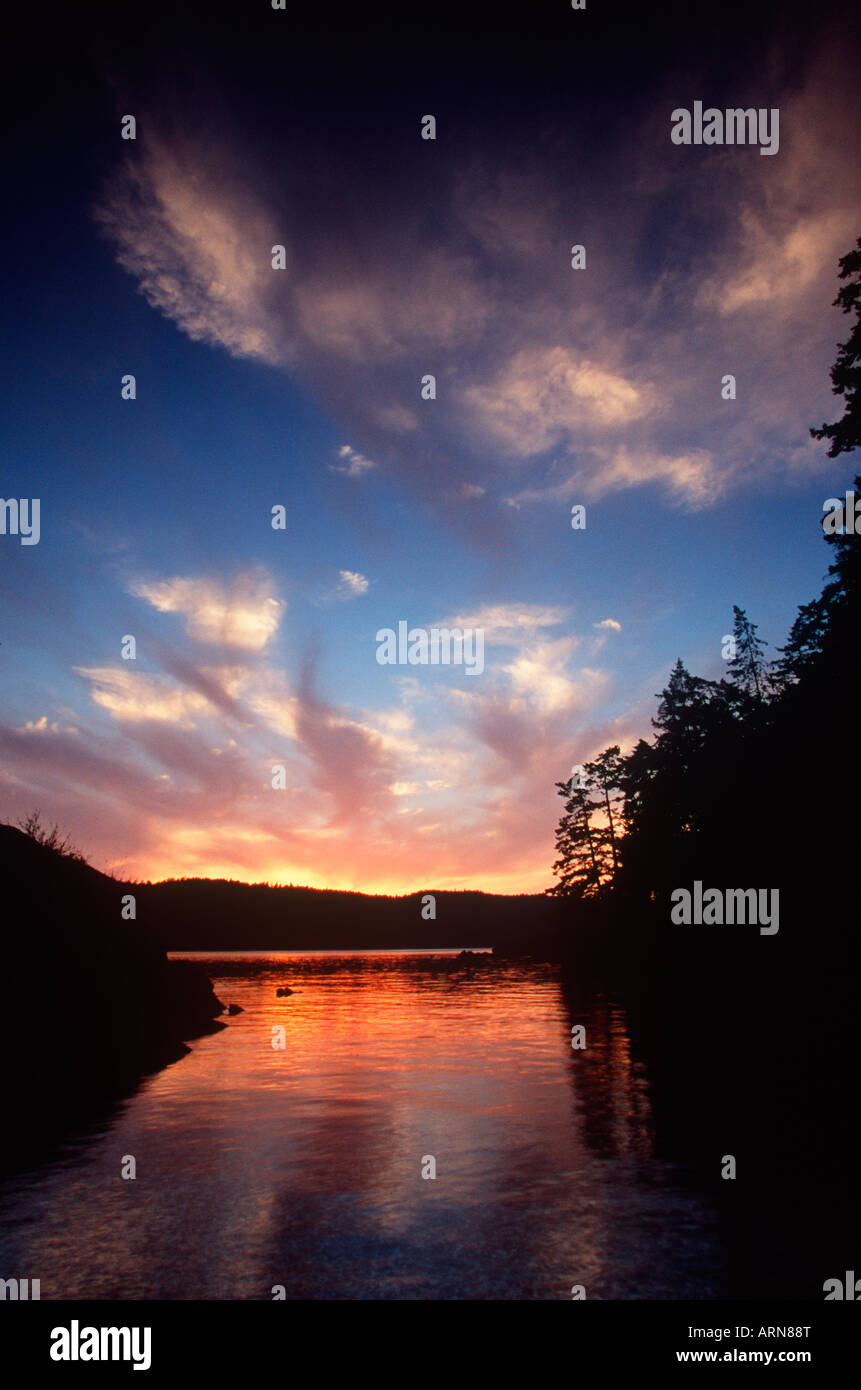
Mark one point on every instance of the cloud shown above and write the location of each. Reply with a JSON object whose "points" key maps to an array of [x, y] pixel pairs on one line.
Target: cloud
{"points": [[194, 220], [609, 623], [780, 264], [452, 788], [510, 624], [690, 479], [543, 396], [40, 726], [268, 696], [131, 695], [354, 464], [243, 613], [352, 585], [198, 242], [600, 380], [780, 256], [352, 765], [539, 675]]}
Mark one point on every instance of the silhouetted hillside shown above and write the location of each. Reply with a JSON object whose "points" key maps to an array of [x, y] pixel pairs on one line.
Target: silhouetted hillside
{"points": [[90, 1001], [212, 914]]}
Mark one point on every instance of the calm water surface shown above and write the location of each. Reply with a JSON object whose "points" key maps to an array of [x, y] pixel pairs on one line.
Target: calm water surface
{"points": [[302, 1166]]}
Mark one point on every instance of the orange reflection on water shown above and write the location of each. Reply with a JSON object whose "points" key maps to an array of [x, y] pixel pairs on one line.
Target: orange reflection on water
{"points": [[302, 1165]]}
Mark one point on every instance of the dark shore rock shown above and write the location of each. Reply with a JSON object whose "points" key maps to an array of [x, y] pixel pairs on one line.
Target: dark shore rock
{"points": [[283, 991]]}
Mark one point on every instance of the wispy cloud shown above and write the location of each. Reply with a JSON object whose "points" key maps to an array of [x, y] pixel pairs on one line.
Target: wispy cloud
{"points": [[242, 613], [509, 624], [352, 585], [131, 695], [611, 375], [455, 785], [691, 480], [543, 396], [42, 726]]}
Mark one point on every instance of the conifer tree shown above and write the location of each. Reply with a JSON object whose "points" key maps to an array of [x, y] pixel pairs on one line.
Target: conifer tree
{"points": [[684, 714], [803, 645], [830, 621], [748, 668], [580, 865], [845, 434], [604, 775]]}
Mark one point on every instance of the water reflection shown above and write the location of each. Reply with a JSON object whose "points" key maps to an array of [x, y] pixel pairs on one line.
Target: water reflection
{"points": [[301, 1166]]}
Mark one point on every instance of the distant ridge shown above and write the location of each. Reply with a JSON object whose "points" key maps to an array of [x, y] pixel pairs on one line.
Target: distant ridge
{"points": [[218, 914]]}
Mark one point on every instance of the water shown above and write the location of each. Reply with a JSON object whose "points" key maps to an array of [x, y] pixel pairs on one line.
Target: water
{"points": [[302, 1167]]}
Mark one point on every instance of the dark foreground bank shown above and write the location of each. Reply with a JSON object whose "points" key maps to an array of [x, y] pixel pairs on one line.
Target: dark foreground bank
{"points": [[747, 1042], [90, 1004]]}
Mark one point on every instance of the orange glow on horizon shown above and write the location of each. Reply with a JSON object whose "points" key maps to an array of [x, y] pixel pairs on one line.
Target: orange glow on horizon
{"points": [[275, 873], [324, 857]]}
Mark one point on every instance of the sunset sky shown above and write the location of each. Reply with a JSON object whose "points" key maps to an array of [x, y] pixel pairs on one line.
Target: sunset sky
{"points": [[301, 387]]}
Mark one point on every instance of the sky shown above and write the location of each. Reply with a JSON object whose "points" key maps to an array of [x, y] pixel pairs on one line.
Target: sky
{"points": [[258, 388]]}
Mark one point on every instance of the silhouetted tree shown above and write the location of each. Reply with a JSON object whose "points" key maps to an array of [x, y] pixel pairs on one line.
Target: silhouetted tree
{"points": [[603, 776], [803, 645], [748, 667], [582, 866], [845, 434]]}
